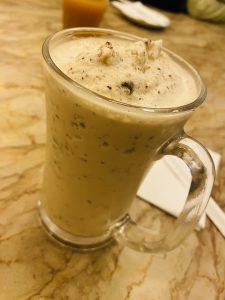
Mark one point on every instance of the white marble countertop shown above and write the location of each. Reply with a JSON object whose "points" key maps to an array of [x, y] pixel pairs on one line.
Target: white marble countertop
{"points": [[31, 266]]}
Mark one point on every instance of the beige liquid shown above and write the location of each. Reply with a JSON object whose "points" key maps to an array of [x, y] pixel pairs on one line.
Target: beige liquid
{"points": [[97, 155]]}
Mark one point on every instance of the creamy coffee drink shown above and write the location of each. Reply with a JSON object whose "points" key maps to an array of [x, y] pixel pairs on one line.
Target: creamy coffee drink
{"points": [[137, 73], [99, 144]]}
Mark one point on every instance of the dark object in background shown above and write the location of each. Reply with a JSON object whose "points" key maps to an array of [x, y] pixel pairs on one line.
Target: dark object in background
{"points": [[170, 5]]}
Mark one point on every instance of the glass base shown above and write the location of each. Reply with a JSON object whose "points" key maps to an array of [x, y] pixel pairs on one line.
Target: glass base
{"points": [[64, 238]]}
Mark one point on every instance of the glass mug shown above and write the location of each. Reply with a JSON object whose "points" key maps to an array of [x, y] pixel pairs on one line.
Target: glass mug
{"points": [[98, 151]]}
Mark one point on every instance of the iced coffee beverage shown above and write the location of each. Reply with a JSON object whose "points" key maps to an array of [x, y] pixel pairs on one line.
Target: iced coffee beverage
{"points": [[102, 134]]}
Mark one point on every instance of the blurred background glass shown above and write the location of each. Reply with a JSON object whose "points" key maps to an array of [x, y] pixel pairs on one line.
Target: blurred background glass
{"points": [[78, 13]]}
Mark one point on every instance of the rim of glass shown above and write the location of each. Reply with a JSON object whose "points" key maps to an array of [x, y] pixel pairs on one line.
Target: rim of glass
{"points": [[104, 31]]}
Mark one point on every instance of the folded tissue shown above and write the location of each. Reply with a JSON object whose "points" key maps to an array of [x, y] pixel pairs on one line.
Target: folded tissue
{"points": [[166, 186]]}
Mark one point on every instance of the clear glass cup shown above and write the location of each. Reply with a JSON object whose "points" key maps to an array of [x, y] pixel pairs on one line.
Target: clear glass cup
{"points": [[77, 13], [99, 150]]}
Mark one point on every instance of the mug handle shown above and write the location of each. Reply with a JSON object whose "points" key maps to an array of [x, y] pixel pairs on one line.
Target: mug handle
{"points": [[202, 170]]}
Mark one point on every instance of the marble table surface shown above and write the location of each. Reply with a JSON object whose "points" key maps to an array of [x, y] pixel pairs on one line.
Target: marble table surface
{"points": [[31, 266]]}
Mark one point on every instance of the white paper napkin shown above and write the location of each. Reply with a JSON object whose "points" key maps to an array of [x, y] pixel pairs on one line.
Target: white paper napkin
{"points": [[167, 187]]}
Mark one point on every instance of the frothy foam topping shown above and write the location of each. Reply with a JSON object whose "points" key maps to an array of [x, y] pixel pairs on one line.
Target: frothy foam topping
{"points": [[134, 72]]}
